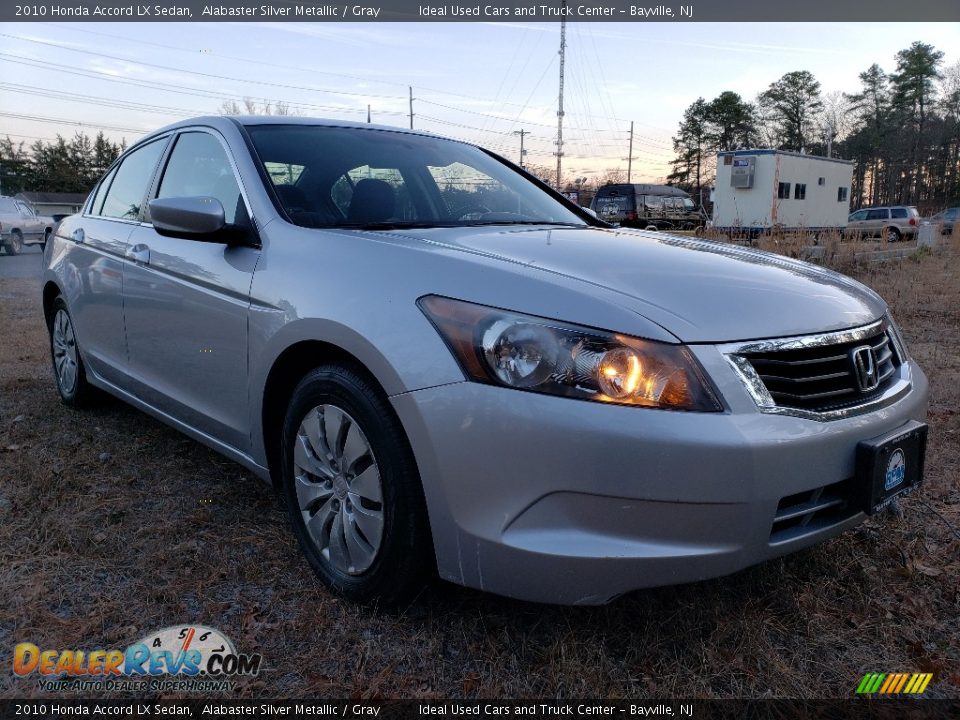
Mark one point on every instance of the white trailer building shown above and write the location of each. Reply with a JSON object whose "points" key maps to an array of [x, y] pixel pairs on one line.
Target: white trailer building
{"points": [[757, 190]]}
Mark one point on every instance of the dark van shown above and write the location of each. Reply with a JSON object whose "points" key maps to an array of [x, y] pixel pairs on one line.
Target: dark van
{"points": [[650, 207]]}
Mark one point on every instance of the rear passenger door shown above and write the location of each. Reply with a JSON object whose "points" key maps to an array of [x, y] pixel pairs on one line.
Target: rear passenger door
{"points": [[876, 220], [186, 301], [90, 267]]}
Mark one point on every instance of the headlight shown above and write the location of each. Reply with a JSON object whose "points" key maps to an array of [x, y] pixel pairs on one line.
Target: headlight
{"points": [[900, 345], [530, 353]]}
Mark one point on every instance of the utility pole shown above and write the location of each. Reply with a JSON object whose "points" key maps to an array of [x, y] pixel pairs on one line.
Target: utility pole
{"points": [[523, 152], [629, 157], [830, 140], [410, 88], [368, 113], [563, 52]]}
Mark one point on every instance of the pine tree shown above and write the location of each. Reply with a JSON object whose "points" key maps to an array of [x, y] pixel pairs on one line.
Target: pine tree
{"points": [[794, 101]]}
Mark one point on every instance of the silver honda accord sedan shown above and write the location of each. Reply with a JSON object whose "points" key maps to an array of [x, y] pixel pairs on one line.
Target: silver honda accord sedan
{"points": [[444, 366]]}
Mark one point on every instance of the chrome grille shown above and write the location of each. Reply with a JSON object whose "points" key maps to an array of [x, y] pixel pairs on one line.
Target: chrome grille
{"points": [[823, 377]]}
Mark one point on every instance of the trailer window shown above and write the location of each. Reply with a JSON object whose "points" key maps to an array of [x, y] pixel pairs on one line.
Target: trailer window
{"points": [[841, 194], [800, 191], [783, 191]]}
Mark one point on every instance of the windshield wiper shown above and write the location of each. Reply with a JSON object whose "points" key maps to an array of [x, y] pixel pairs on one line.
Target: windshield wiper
{"points": [[392, 225], [524, 222]]}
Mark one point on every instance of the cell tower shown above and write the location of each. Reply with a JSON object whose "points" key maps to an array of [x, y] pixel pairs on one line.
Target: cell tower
{"points": [[563, 49]]}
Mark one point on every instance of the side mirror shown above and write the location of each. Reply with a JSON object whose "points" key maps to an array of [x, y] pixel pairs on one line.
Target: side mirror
{"points": [[195, 218]]}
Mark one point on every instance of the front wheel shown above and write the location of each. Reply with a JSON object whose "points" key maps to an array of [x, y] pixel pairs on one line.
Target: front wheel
{"points": [[352, 489]]}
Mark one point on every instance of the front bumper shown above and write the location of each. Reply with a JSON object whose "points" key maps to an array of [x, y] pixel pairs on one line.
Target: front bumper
{"points": [[564, 501]]}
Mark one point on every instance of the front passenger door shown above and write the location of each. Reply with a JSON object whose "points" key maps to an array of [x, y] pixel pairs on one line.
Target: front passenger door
{"points": [[30, 223], [186, 302]]}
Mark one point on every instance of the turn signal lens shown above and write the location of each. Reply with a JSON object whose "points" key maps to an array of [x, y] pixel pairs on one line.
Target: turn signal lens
{"points": [[529, 353]]}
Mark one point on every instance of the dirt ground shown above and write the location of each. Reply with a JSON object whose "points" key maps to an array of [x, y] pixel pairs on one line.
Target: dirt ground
{"points": [[112, 525]]}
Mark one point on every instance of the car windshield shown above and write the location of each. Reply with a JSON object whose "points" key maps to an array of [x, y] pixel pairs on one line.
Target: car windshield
{"points": [[327, 177]]}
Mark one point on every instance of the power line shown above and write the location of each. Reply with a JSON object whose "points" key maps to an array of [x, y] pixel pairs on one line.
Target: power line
{"points": [[62, 121]]}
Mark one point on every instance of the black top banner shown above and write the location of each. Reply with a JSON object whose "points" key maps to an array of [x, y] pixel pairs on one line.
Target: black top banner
{"points": [[497, 11]]}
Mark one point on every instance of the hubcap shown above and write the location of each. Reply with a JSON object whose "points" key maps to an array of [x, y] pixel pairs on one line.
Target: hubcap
{"points": [[64, 352], [338, 489]]}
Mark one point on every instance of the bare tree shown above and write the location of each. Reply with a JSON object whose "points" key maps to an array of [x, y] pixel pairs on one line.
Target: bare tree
{"points": [[252, 107], [835, 117]]}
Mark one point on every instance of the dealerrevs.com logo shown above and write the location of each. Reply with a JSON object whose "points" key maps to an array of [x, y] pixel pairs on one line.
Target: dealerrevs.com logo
{"points": [[178, 658]]}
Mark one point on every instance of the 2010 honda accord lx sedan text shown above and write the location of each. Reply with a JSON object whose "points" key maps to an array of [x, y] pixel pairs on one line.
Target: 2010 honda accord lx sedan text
{"points": [[445, 366]]}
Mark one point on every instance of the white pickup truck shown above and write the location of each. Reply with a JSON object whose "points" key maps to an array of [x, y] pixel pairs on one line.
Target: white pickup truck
{"points": [[20, 225]]}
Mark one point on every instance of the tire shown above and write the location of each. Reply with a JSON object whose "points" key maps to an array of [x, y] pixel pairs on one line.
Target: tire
{"points": [[15, 243], [891, 234], [68, 369], [352, 489]]}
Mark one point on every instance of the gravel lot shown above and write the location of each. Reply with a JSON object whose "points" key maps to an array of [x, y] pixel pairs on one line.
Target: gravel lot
{"points": [[112, 525]]}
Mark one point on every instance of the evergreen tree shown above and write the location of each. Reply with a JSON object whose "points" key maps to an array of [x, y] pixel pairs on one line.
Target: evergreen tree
{"points": [[731, 121], [794, 101], [693, 145], [914, 95]]}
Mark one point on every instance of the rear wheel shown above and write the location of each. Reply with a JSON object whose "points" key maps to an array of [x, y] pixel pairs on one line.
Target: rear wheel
{"points": [[891, 234], [15, 243], [352, 489], [68, 366]]}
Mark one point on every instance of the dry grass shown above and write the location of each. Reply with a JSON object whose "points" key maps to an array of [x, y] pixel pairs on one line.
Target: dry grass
{"points": [[112, 524]]}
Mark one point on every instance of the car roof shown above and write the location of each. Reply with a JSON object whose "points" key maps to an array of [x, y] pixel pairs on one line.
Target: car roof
{"points": [[223, 122]]}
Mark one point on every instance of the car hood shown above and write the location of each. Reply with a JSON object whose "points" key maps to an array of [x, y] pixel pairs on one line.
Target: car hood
{"points": [[699, 291]]}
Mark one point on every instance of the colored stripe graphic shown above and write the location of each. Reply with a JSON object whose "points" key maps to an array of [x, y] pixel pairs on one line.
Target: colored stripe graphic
{"points": [[894, 683]]}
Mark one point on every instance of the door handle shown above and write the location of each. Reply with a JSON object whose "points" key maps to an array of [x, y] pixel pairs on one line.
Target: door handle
{"points": [[78, 236], [139, 253]]}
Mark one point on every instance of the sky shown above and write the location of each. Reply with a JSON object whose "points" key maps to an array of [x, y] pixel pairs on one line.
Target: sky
{"points": [[481, 82]]}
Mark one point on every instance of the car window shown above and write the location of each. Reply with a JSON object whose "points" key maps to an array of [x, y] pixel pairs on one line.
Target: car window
{"points": [[469, 193], [859, 215], [653, 203], [952, 214], [7, 205], [877, 214], [199, 166], [25, 210], [343, 191], [129, 186], [899, 213], [97, 204], [350, 177]]}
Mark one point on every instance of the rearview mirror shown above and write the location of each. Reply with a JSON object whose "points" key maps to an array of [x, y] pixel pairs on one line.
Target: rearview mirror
{"points": [[195, 218]]}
